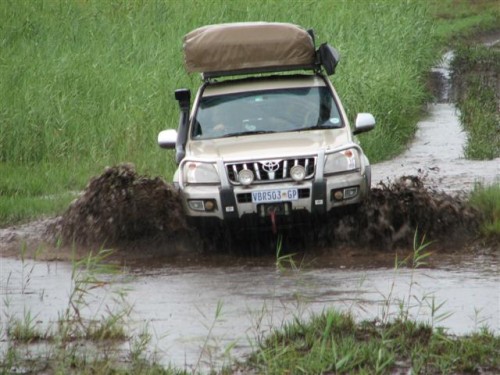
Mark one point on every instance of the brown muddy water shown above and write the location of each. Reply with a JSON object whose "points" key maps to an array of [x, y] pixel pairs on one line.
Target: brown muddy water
{"points": [[176, 297], [176, 301]]}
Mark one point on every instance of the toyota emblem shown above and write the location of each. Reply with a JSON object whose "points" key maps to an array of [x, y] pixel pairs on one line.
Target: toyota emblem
{"points": [[270, 166]]}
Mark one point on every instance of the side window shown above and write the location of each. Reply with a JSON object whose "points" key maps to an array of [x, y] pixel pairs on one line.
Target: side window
{"points": [[328, 110]]}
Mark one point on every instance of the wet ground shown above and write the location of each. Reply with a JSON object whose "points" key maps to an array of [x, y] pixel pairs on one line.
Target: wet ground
{"points": [[437, 150], [175, 290]]}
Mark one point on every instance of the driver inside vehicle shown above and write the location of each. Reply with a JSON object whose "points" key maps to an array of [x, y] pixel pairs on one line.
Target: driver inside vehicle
{"points": [[210, 123], [217, 124]]}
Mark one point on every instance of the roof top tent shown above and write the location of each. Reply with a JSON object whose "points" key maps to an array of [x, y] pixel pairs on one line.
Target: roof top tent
{"points": [[255, 47]]}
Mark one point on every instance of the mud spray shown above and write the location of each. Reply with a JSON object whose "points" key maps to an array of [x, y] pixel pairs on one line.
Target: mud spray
{"points": [[120, 208]]}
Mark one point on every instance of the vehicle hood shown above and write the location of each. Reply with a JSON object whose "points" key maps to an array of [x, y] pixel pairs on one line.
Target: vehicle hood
{"points": [[263, 146]]}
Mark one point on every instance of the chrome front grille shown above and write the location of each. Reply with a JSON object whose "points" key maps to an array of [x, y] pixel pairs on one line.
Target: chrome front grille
{"points": [[275, 170]]}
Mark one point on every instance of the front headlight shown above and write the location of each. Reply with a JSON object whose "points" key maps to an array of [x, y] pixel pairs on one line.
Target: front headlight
{"points": [[245, 177], [298, 173], [200, 173], [342, 161]]}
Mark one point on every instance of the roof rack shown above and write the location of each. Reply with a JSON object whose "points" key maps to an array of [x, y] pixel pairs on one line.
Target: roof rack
{"points": [[251, 71]]}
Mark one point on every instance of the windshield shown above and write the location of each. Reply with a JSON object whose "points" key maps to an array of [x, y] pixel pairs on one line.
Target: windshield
{"points": [[266, 111]]}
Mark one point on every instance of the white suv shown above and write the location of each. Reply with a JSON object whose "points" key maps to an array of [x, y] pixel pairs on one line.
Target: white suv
{"points": [[267, 137]]}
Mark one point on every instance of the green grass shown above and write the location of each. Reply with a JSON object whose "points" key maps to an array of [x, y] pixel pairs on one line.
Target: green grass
{"points": [[458, 19], [25, 330], [480, 118], [29, 192], [476, 70], [487, 200], [333, 343]]}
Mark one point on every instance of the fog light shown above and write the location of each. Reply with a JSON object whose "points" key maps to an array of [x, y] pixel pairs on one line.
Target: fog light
{"points": [[209, 205], [350, 192], [338, 195], [245, 176], [196, 205], [298, 173]]}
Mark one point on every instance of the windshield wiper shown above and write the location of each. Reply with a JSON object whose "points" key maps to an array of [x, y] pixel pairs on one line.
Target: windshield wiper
{"points": [[252, 132], [314, 127]]}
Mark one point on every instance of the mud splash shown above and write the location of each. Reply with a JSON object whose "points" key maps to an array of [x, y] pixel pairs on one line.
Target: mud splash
{"points": [[120, 208], [396, 211]]}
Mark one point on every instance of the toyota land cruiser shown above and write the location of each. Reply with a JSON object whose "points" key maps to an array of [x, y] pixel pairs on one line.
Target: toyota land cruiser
{"points": [[266, 136]]}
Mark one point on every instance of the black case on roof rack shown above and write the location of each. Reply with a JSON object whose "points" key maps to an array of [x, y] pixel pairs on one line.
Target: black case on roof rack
{"points": [[254, 47]]}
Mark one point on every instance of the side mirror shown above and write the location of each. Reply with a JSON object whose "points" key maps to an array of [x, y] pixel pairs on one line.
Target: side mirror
{"points": [[167, 138], [364, 122]]}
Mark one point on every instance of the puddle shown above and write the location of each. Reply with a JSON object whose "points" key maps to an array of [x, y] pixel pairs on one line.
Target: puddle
{"points": [[437, 153], [437, 149], [177, 301]]}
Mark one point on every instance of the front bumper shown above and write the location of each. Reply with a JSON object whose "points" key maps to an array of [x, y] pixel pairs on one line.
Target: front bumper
{"points": [[314, 197], [317, 195]]}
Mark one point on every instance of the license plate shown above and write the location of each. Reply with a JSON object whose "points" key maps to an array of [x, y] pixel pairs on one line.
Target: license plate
{"points": [[278, 195]]}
